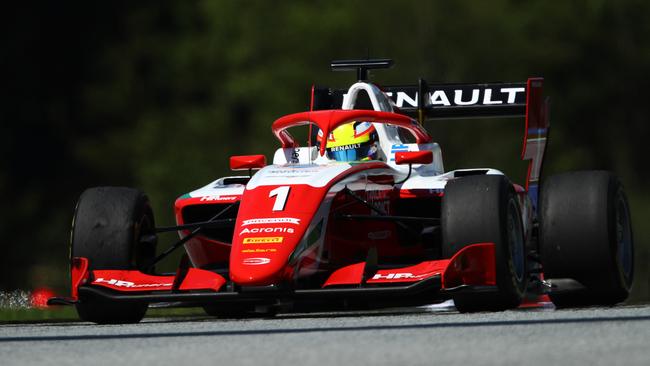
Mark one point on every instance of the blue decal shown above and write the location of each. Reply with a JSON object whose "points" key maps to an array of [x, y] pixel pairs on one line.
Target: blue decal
{"points": [[533, 193], [397, 148], [537, 131]]}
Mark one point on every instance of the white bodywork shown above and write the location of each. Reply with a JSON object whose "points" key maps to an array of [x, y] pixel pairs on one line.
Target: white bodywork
{"points": [[219, 188], [423, 176]]}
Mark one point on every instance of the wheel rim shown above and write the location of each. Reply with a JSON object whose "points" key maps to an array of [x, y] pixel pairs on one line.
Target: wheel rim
{"points": [[516, 241], [624, 248]]}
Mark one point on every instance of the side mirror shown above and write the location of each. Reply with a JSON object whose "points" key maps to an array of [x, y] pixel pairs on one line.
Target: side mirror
{"points": [[414, 157], [247, 162]]}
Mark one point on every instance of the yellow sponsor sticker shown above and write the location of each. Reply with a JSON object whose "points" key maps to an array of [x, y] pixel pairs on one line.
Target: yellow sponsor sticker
{"points": [[264, 240], [257, 250]]}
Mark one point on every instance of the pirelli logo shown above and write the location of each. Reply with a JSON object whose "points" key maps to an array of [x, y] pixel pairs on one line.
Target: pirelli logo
{"points": [[264, 240]]}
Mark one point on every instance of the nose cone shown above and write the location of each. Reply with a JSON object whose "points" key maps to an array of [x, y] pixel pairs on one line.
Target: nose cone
{"points": [[261, 248], [271, 222]]}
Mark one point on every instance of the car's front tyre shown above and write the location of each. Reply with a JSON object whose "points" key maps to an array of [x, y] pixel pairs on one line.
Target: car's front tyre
{"points": [[113, 227], [485, 209]]}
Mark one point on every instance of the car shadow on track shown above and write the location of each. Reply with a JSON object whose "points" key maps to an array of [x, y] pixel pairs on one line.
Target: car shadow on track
{"points": [[370, 328]]}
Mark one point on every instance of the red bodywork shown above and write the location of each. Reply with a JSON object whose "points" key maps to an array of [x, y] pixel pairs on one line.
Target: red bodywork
{"points": [[245, 162]]}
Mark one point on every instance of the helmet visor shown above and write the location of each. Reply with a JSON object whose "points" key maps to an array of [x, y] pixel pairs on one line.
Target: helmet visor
{"points": [[365, 152]]}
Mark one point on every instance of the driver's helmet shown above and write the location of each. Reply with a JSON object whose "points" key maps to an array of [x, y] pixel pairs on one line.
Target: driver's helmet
{"points": [[354, 141]]}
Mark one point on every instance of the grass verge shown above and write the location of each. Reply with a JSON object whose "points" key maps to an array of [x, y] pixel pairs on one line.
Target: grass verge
{"points": [[59, 314]]}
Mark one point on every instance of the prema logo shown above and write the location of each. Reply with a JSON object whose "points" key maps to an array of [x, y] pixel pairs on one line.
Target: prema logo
{"points": [[264, 240], [129, 284], [272, 220], [267, 230], [255, 261]]}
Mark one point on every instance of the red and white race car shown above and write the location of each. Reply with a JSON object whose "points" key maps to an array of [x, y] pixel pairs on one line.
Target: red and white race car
{"points": [[368, 220]]}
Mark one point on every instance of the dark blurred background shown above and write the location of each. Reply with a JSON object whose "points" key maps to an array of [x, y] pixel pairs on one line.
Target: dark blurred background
{"points": [[157, 95]]}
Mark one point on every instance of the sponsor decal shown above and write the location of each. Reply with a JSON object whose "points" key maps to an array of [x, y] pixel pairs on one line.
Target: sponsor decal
{"points": [[271, 220], [256, 261], [264, 240], [293, 172], [344, 147], [260, 250], [218, 198], [129, 284], [267, 230], [379, 235], [397, 148], [295, 156], [379, 199], [461, 97], [396, 276]]}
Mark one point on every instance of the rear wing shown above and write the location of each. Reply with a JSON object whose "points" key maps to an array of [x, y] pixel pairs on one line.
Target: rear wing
{"points": [[449, 101], [443, 101]]}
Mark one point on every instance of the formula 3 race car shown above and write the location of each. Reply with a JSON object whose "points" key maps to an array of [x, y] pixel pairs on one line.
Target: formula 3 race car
{"points": [[314, 231]]}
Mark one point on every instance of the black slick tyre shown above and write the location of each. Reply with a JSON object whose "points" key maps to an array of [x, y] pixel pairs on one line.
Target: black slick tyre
{"points": [[586, 236], [480, 209], [113, 227]]}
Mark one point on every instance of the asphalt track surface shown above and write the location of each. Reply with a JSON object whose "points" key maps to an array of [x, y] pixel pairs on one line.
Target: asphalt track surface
{"points": [[411, 336]]}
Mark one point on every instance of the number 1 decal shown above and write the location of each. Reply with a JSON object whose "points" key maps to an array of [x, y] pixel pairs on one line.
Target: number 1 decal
{"points": [[281, 194]]}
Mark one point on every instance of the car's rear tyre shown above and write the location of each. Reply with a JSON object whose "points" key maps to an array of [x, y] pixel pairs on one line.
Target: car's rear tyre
{"points": [[586, 235], [113, 227], [481, 209]]}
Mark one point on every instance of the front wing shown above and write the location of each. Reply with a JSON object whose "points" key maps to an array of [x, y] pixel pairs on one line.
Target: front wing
{"points": [[471, 269]]}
